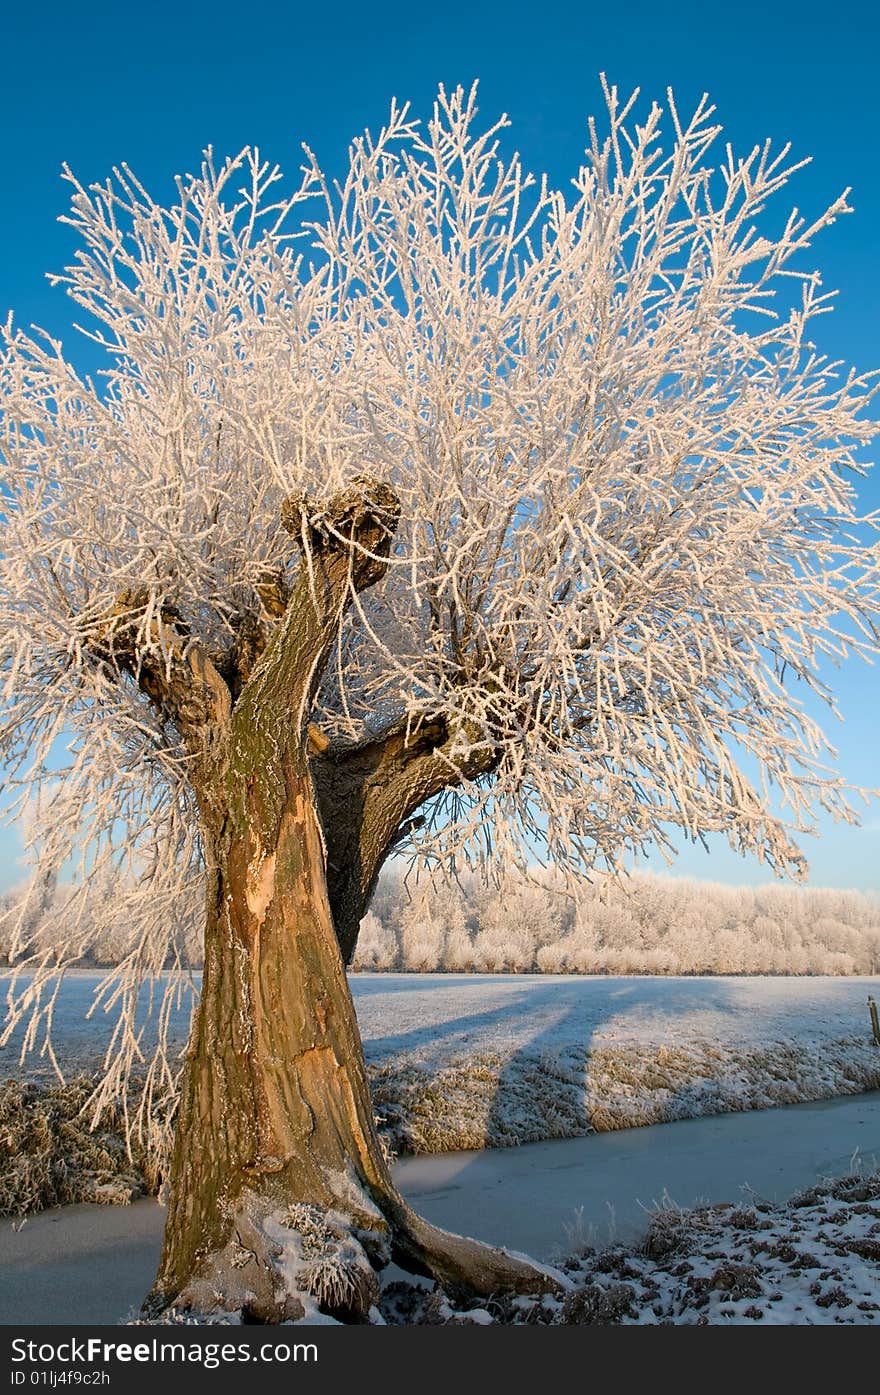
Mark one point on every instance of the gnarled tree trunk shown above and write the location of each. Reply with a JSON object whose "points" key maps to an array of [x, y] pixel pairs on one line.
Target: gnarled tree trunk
{"points": [[279, 1188], [275, 1108]]}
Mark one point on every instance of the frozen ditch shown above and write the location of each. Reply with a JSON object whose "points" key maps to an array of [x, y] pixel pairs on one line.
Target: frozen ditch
{"points": [[86, 1264]]}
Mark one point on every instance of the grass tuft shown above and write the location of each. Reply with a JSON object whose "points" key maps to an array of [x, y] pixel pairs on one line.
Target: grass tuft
{"points": [[49, 1156]]}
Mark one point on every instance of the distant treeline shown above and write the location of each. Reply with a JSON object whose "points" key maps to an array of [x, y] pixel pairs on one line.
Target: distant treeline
{"points": [[644, 925]]}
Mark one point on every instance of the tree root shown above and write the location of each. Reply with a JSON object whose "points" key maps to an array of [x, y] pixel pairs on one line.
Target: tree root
{"points": [[465, 1267], [291, 1264]]}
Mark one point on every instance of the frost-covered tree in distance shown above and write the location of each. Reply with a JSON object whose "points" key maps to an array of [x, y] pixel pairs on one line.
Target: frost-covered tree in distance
{"points": [[434, 506]]}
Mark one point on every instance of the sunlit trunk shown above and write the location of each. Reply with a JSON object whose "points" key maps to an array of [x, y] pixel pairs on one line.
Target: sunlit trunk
{"points": [[275, 1107]]}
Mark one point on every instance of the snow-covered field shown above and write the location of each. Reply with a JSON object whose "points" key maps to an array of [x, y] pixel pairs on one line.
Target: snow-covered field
{"points": [[468, 1061], [471, 1061]]}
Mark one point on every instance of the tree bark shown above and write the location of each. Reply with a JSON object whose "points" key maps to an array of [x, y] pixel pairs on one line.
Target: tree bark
{"points": [[279, 1190]]}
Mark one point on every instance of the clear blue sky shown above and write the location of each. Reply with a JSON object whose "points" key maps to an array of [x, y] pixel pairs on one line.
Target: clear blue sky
{"points": [[153, 84]]}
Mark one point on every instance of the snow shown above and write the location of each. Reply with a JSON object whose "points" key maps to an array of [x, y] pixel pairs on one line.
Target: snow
{"points": [[346, 1185], [91, 1264], [400, 1014]]}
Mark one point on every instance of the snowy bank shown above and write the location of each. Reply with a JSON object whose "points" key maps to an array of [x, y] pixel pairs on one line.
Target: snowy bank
{"points": [[812, 1261]]}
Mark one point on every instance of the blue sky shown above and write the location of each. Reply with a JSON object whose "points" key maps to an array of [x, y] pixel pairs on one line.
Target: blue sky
{"points": [[152, 85]]}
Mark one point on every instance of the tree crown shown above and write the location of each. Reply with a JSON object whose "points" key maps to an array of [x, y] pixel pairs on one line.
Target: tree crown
{"points": [[624, 472]]}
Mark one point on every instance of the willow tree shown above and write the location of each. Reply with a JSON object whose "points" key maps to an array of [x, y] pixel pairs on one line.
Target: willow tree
{"points": [[431, 509]]}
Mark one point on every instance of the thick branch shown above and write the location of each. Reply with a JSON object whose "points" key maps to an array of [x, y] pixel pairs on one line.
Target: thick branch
{"points": [[367, 795], [345, 545], [253, 629], [169, 666]]}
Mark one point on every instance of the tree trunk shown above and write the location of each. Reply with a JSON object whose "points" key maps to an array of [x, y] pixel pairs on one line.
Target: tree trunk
{"points": [[279, 1188], [279, 1191], [275, 1107]]}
